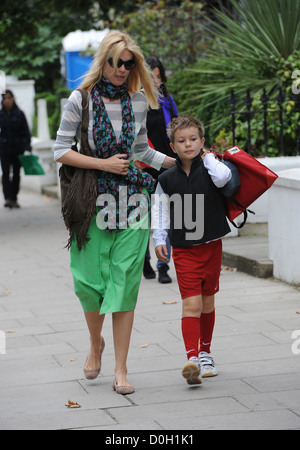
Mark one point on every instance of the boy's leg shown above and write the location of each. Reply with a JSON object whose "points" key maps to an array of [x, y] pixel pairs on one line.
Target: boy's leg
{"points": [[190, 323], [207, 323]]}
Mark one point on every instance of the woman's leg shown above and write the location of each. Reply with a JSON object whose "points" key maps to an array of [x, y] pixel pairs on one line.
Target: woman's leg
{"points": [[94, 322], [6, 184], [122, 327], [15, 185]]}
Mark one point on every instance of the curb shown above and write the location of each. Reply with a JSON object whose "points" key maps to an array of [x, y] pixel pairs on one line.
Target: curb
{"points": [[258, 268]]}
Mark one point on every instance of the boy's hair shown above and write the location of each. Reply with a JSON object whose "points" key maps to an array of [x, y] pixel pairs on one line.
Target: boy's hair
{"points": [[184, 121]]}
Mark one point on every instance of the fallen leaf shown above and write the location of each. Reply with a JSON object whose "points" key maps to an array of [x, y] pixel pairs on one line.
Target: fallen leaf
{"points": [[6, 292], [72, 405], [297, 312], [169, 303], [143, 346], [10, 331], [231, 269]]}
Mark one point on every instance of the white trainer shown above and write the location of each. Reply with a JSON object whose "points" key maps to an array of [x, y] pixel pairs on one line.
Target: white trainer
{"points": [[207, 365], [191, 371]]}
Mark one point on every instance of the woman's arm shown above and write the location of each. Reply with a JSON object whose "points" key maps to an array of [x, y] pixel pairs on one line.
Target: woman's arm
{"points": [[142, 151], [26, 132], [168, 162], [70, 127], [115, 164]]}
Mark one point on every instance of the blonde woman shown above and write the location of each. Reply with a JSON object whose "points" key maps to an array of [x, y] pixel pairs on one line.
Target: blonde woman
{"points": [[107, 270]]}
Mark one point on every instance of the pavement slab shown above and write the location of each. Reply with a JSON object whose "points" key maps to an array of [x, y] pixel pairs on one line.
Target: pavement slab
{"points": [[255, 348]]}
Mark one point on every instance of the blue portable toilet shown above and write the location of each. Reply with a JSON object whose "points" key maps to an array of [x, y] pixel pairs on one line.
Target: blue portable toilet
{"points": [[75, 63]]}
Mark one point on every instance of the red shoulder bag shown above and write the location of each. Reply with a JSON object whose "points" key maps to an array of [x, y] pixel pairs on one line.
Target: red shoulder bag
{"points": [[255, 179]]}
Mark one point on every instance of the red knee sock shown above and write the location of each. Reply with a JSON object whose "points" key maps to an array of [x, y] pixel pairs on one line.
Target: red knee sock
{"points": [[207, 323], [190, 327]]}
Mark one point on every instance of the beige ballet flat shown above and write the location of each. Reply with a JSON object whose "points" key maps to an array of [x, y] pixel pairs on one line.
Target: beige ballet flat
{"points": [[91, 374], [124, 390]]}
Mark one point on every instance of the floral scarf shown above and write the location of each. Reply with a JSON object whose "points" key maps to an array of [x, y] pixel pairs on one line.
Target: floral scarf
{"points": [[106, 145]]}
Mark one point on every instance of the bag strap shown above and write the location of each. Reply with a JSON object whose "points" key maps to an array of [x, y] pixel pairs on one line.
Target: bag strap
{"points": [[85, 110], [85, 123], [171, 107], [243, 223], [244, 210]]}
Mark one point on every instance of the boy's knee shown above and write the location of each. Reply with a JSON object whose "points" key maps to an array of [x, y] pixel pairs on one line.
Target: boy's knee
{"points": [[208, 303], [192, 307]]}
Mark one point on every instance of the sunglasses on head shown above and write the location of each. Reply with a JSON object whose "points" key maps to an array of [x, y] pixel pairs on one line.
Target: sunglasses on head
{"points": [[129, 64]]}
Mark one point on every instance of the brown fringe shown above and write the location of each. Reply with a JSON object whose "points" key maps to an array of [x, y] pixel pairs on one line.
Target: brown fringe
{"points": [[79, 189], [79, 206]]}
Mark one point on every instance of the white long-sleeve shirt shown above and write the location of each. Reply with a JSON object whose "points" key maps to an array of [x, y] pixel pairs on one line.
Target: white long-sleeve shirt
{"points": [[220, 175]]}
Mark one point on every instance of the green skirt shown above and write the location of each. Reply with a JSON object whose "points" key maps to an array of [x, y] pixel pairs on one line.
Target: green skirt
{"points": [[107, 273]]}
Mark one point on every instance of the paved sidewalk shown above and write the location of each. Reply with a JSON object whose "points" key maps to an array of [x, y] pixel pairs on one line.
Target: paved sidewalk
{"points": [[258, 386]]}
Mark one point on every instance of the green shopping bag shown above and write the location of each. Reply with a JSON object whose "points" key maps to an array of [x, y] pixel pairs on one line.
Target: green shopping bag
{"points": [[31, 165]]}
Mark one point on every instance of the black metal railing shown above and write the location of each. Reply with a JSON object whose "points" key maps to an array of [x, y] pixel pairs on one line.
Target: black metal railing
{"points": [[249, 112]]}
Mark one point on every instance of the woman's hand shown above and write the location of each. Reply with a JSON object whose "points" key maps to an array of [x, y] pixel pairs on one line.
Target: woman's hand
{"points": [[117, 164], [168, 162]]}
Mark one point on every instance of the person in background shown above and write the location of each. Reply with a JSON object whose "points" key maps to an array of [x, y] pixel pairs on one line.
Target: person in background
{"points": [[157, 124], [15, 139]]}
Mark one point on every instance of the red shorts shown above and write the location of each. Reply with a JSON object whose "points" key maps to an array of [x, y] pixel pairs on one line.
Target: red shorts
{"points": [[198, 268]]}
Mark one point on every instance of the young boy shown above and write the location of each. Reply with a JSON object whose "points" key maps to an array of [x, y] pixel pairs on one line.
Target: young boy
{"points": [[188, 203]]}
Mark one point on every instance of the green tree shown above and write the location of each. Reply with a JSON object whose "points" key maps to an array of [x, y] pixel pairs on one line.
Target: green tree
{"points": [[250, 48], [256, 46], [30, 37], [167, 29], [31, 32]]}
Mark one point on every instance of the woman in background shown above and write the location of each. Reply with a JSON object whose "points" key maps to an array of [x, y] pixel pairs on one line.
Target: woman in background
{"points": [[157, 124], [15, 139]]}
